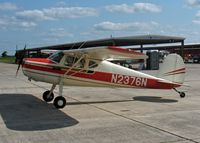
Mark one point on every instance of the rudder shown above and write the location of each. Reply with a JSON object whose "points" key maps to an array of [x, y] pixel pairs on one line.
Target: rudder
{"points": [[173, 69]]}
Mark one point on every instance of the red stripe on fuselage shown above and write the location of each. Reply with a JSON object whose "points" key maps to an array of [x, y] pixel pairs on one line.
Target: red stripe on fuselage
{"points": [[41, 60], [75, 73], [104, 77]]}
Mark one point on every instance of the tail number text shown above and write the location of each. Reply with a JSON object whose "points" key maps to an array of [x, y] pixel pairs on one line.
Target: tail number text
{"points": [[129, 80]]}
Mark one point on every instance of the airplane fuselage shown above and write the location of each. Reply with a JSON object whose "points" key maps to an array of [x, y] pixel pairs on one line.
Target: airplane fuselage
{"points": [[106, 74]]}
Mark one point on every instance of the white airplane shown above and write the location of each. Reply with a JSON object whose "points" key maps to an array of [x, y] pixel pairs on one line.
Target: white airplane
{"points": [[92, 67]]}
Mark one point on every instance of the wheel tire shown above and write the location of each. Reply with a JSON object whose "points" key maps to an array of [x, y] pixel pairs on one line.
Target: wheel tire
{"points": [[182, 94], [47, 97], [59, 102]]}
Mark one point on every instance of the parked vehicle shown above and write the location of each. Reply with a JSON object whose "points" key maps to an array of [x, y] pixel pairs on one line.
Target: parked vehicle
{"points": [[196, 59]]}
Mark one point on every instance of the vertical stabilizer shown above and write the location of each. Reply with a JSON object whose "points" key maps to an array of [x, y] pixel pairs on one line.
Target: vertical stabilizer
{"points": [[173, 69]]}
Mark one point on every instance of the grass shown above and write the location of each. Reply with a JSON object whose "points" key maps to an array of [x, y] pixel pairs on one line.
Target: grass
{"points": [[8, 59]]}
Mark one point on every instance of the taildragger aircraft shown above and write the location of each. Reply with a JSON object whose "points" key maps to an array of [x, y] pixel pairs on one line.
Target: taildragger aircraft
{"points": [[91, 67]]}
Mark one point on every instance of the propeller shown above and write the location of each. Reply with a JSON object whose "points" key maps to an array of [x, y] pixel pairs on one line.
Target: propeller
{"points": [[21, 60]]}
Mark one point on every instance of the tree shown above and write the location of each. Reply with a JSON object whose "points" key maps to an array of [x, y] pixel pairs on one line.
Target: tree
{"points": [[4, 54]]}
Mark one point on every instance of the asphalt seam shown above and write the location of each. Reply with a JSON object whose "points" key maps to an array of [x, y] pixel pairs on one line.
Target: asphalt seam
{"points": [[143, 123]]}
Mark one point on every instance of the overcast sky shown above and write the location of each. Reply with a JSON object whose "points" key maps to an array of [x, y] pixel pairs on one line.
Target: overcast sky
{"points": [[47, 22]]}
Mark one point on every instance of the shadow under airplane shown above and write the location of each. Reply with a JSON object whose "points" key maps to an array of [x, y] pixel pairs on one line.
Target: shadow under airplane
{"points": [[136, 98], [97, 102], [154, 99], [25, 112]]}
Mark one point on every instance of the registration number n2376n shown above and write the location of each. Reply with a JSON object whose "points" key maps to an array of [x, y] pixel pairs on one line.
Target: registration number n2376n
{"points": [[129, 80]]}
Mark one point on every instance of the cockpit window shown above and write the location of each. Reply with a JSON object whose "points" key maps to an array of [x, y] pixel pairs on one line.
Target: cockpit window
{"points": [[57, 56], [71, 60], [92, 64]]}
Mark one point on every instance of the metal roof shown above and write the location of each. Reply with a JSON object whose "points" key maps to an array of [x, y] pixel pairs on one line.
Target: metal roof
{"points": [[115, 41], [186, 47]]}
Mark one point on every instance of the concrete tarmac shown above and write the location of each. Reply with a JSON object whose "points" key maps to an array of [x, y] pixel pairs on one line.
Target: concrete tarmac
{"points": [[98, 115]]}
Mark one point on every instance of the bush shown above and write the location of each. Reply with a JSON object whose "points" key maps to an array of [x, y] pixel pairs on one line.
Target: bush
{"points": [[4, 54]]}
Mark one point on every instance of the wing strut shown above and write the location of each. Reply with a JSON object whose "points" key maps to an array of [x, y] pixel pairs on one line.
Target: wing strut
{"points": [[73, 66]]}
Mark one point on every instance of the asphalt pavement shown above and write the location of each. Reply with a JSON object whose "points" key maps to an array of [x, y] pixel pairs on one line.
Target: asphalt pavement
{"points": [[98, 115]]}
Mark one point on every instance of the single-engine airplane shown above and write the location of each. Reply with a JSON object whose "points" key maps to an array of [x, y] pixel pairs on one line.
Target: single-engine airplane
{"points": [[92, 67]]}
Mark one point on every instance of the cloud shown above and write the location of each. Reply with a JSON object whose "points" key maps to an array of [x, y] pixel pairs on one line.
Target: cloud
{"points": [[61, 3], [13, 23], [197, 20], [193, 3], [35, 15], [198, 14], [136, 7], [8, 6], [26, 24], [59, 33], [56, 13], [110, 26], [55, 35]]}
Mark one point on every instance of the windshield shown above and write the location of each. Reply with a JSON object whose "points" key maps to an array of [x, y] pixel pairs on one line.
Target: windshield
{"points": [[57, 56]]}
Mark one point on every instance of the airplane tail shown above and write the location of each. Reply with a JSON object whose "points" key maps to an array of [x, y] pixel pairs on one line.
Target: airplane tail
{"points": [[173, 69]]}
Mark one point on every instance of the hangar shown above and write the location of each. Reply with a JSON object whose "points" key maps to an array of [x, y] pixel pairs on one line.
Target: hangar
{"points": [[172, 44], [189, 52], [139, 43]]}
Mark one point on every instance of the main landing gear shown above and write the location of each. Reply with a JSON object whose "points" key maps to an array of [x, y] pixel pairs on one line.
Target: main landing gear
{"points": [[59, 101], [182, 94]]}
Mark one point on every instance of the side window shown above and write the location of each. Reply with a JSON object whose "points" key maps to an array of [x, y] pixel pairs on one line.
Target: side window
{"points": [[80, 64], [71, 60], [92, 64]]}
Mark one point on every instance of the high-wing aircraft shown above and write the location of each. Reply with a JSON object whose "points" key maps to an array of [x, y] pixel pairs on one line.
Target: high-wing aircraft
{"points": [[92, 67]]}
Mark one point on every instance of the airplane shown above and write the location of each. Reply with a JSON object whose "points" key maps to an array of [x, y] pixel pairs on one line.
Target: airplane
{"points": [[92, 67]]}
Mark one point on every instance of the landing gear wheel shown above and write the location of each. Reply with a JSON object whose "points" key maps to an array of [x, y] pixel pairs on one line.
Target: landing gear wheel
{"points": [[182, 94], [59, 102], [47, 96]]}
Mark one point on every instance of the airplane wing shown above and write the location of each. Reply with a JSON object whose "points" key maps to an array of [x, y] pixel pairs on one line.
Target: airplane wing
{"points": [[108, 53]]}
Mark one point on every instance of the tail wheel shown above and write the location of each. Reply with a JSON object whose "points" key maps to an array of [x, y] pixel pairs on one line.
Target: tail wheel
{"points": [[182, 94], [59, 102], [47, 96]]}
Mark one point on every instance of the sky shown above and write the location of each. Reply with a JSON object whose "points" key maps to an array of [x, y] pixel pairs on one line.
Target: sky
{"points": [[51, 22]]}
